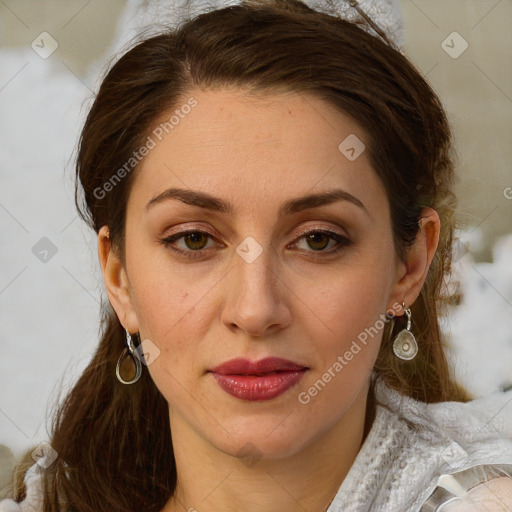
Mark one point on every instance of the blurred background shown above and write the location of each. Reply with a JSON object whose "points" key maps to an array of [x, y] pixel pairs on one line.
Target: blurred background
{"points": [[52, 54]]}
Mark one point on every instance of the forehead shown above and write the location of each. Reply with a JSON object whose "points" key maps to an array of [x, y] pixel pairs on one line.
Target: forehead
{"points": [[257, 145], [239, 120]]}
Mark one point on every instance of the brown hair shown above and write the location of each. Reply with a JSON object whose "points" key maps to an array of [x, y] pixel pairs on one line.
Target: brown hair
{"points": [[113, 441]]}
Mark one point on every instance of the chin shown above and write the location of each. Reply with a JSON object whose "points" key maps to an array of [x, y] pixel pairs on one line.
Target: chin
{"points": [[262, 439]]}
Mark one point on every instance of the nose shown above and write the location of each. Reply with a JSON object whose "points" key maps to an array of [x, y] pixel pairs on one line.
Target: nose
{"points": [[255, 295]]}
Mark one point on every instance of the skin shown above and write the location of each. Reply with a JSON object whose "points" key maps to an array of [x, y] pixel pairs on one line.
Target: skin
{"points": [[257, 153]]}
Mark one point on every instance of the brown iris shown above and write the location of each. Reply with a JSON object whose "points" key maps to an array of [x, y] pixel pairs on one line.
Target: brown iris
{"points": [[196, 240], [315, 238]]}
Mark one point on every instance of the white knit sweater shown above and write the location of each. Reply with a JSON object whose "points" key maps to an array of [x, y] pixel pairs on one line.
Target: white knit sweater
{"points": [[408, 449], [405, 453]]}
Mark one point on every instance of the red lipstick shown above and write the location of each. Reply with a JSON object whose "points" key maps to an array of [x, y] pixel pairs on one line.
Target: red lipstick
{"points": [[257, 380]]}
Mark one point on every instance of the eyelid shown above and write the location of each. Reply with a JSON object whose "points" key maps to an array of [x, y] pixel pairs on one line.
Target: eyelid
{"points": [[192, 229], [308, 229]]}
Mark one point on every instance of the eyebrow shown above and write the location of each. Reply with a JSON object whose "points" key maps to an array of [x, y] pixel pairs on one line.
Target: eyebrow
{"points": [[209, 202]]}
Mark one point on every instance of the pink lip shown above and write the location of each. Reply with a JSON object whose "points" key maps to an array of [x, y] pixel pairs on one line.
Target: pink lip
{"points": [[258, 380]]}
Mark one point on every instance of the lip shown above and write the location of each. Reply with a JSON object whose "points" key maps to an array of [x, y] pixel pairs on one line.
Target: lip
{"points": [[258, 380], [241, 366]]}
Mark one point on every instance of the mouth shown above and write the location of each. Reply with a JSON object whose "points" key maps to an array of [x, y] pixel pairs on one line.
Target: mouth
{"points": [[268, 365], [260, 380]]}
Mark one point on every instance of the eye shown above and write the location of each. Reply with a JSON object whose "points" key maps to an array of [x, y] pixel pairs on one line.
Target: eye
{"points": [[195, 242], [319, 239]]}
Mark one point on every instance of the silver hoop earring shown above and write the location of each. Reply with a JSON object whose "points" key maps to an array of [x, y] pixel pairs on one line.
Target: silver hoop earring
{"points": [[405, 346], [130, 348]]}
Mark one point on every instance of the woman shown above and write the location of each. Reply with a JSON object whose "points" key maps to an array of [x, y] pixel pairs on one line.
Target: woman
{"points": [[272, 191]]}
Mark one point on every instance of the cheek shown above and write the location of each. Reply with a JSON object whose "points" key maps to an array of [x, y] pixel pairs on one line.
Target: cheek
{"points": [[165, 294], [349, 298], [346, 321], [172, 310], [168, 304], [346, 318], [176, 318]]}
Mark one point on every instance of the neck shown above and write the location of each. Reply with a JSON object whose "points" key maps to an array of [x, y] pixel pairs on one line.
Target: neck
{"points": [[306, 481]]}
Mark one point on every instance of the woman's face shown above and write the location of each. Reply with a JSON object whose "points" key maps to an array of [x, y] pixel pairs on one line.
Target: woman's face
{"points": [[249, 282]]}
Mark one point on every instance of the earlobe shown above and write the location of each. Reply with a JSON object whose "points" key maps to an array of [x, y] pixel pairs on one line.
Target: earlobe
{"points": [[116, 281], [419, 256]]}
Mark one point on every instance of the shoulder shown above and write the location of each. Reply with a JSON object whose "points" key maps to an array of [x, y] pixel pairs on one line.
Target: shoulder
{"points": [[471, 442], [491, 496], [462, 434], [486, 420]]}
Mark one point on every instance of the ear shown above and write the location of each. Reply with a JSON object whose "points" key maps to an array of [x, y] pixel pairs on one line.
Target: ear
{"points": [[116, 282], [412, 272]]}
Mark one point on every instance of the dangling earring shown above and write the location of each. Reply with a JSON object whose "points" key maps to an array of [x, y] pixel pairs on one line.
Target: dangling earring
{"points": [[405, 346], [138, 366]]}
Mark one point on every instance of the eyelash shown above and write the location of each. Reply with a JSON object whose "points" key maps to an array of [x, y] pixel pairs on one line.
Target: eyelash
{"points": [[342, 240]]}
